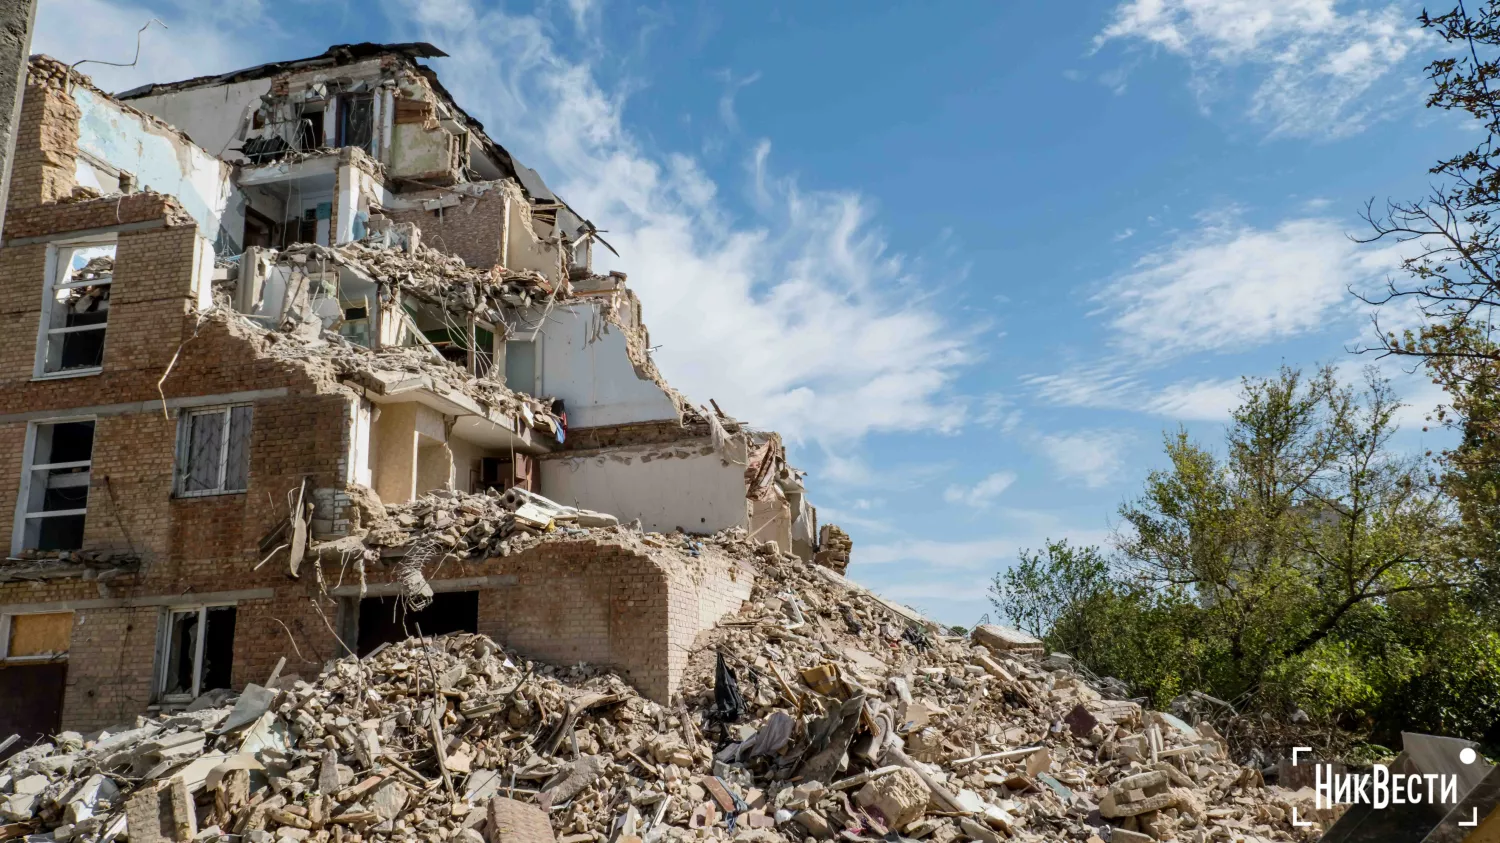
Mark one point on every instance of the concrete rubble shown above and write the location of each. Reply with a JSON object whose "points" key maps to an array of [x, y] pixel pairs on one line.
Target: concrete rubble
{"points": [[301, 331], [818, 711]]}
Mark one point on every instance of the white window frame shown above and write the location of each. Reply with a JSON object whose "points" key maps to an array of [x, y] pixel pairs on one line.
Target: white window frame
{"points": [[164, 649], [7, 658], [59, 260], [184, 442], [29, 470]]}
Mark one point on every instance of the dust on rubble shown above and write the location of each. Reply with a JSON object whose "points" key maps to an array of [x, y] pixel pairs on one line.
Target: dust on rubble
{"points": [[818, 711]]}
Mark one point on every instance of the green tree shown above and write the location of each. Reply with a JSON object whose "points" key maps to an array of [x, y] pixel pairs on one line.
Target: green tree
{"points": [[1306, 564], [1452, 270], [1076, 599], [1308, 516]]}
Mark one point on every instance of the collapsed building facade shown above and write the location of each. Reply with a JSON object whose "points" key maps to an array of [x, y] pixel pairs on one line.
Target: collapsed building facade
{"points": [[256, 320]]}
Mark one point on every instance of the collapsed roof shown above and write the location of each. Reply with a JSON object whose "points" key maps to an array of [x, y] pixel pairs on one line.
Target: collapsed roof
{"points": [[568, 220]]}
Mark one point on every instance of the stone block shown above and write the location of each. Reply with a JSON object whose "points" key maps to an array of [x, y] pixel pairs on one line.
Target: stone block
{"points": [[899, 797], [517, 822]]}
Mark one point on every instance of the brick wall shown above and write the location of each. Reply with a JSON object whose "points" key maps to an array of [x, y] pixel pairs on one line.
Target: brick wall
{"points": [[472, 229], [661, 432], [186, 546], [700, 593], [106, 685], [608, 603], [46, 147]]}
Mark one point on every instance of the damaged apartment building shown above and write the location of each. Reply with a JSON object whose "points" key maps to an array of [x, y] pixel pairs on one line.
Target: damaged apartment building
{"points": [[279, 344]]}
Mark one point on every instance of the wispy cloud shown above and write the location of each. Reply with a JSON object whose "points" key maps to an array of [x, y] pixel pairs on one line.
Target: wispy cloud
{"points": [[983, 493], [998, 411], [1017, 530], [732, 88], [1116, 386], [1199, 400], [1092, 457], [1228, 286], [1322, 69], [802, 320], [976, 553]]}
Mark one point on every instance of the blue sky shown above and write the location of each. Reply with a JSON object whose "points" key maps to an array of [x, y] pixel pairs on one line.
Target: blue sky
{"points": [[970, 258]]}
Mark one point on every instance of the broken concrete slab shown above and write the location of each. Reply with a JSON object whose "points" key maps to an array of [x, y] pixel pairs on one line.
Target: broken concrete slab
{"points": [[1004, 639]]}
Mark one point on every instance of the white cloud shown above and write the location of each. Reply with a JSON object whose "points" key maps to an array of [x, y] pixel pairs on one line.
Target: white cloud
{"points": [[1230, 286], [1322, 71], [1115, 386], [977, 553], [983, 493], [998, 411], [1025, 529], [732, 88], [1104, 385], [802, 321], [1124, 235], [1092, 457], [848, 520], [1201, 400], [200, 38], [847, 469]]}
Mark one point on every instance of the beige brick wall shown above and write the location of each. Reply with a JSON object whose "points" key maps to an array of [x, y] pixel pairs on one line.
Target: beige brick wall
{"points": [[606, 603], [573, 600], [46, 148], [186, 546], [471, 230]]}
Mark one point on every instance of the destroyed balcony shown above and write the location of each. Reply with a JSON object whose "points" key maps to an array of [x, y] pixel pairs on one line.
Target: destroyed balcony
{"points": [[431, 411], [321, 197]]}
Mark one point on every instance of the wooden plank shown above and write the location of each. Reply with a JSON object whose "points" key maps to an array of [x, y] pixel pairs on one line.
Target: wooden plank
{"points": [[40, 635]]}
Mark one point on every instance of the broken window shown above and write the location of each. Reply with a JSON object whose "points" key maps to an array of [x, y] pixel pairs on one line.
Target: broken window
{"points": [[195, 650], [520, 366], [385, 620], [75, 311], [55, 486], [213, 451], [467, 344], [483, 357], [310, 129], [357, 121]]}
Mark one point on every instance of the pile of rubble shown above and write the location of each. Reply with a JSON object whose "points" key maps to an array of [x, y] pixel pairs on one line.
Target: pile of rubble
{"points": [[394, 263], [480, 525], [818, 711], [397, 259], [344, 360]]}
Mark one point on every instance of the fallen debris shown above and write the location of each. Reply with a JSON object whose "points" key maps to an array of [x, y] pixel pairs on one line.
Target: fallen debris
{"points": [[845, 726]]}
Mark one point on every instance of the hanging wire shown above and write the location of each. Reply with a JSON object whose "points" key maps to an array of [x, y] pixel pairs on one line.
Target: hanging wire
{"points": [[138, 35]]}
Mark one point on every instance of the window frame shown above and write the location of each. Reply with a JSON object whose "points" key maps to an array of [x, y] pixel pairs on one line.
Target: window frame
{"points": [[184, 444], [159, 695], [29, 470], [41, 658], [59, 260], [534, 388]]}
